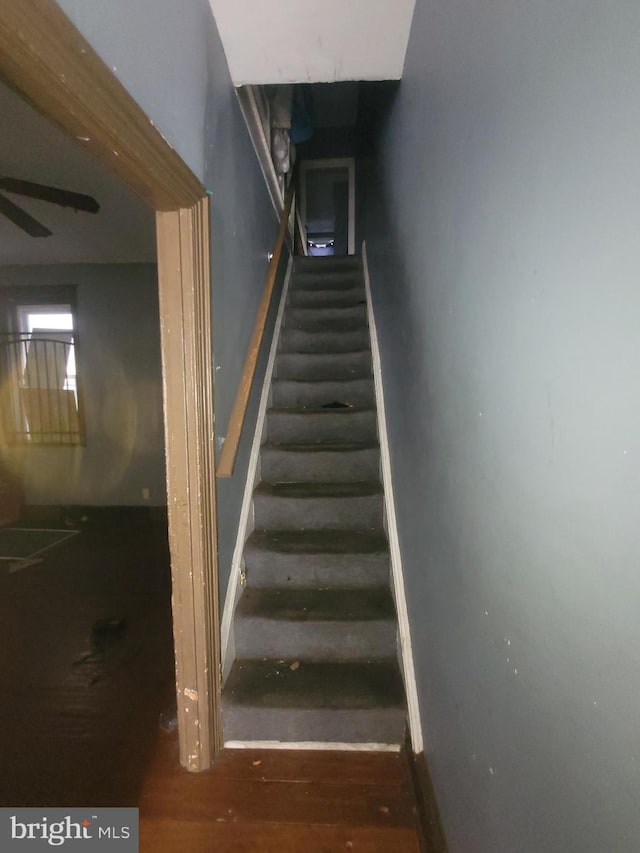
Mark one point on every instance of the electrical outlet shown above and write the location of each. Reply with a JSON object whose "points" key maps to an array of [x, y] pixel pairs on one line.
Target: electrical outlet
{"points": [[145, 493]]}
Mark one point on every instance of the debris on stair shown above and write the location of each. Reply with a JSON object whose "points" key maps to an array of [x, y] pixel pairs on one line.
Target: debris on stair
{"points": [[336, 404]]}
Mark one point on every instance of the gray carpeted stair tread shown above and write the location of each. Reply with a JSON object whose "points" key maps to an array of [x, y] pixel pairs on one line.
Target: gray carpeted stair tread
{"points": [[322, 341], [332, 297], [304, 558], [296, 393], [301, 542], [328, 702], [265, 569], [315, 631], [313, 624], [328, 266], [317, 425], [322, 447], [337, 685], [326, 319], [302, 340], [327, 413], [348, 297], [318, 605], [308, 283], [317, 490], [293, 313], [372, 727], [349, 461], [339, 358], [328, 506], [324, 365]]}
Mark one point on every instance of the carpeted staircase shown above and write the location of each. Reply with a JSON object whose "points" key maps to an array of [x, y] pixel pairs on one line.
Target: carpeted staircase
{"points": [[315, 629]]}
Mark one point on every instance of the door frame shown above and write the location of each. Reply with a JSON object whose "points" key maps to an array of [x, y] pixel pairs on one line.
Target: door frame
{"points": [[348, 163], [49, 62]]}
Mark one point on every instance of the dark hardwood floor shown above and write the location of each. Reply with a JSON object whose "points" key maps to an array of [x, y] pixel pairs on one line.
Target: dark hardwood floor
{"points": [[279, 801], [77, 727], [79, 718]]}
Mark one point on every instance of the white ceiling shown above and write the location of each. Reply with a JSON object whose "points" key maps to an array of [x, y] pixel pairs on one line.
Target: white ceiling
{"points": [[33, 149], [265, 42], [299, 41]]}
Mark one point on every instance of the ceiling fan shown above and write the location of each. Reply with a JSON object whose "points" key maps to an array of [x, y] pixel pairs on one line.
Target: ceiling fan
{"points": [[63, 198]]}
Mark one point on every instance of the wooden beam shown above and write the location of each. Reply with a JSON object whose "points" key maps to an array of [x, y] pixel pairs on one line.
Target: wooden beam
{"points": [[47, 60], [183, 277]]}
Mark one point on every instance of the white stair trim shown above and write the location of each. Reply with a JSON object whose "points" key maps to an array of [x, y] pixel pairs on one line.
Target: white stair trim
{"points": [[236, 579], [404, 631], [246, 96], [312, 744]]}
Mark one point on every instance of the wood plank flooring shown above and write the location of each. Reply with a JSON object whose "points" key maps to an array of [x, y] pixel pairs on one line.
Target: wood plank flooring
{"points": [[77, 731], [274, 801]]}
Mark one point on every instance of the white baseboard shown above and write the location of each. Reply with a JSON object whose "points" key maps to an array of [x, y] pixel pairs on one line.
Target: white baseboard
{"points": [[344, 747], [404, 632], [236, 576]]}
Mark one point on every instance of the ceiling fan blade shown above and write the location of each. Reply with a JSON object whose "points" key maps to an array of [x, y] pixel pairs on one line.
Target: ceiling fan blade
{"points": [[22, 219], [64, 198]]}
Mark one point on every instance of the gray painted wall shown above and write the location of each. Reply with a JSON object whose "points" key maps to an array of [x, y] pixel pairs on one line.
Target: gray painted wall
{"points": [[118, 330], [170, 58], [243, 231], [505, 254], [158, 51]]}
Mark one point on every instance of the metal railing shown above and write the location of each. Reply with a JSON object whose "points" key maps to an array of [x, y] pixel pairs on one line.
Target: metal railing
{"points": [[39, 391]]}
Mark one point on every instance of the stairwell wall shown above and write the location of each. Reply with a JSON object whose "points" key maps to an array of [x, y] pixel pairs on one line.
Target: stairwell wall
{"points": [[243, 231], [502, 220], [170, 58]]}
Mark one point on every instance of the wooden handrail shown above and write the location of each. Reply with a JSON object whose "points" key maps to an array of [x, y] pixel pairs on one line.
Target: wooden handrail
{"points": [[239, 410]]}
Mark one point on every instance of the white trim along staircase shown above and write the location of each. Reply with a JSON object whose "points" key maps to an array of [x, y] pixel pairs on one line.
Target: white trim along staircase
{"points": [[315, 629]]}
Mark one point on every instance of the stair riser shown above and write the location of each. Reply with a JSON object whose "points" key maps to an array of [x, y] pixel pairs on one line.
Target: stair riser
{"points": [[332, 298], [289, 393], [323, 366], [304, 283], [381, 725], [305, 571], [289, 466], [326, 319], [318, 513], [287, 427], [298, 340], [307, 641], [327, 267]]}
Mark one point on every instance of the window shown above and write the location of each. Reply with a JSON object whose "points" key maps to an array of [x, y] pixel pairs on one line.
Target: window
{"points": [[40, 396]]}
